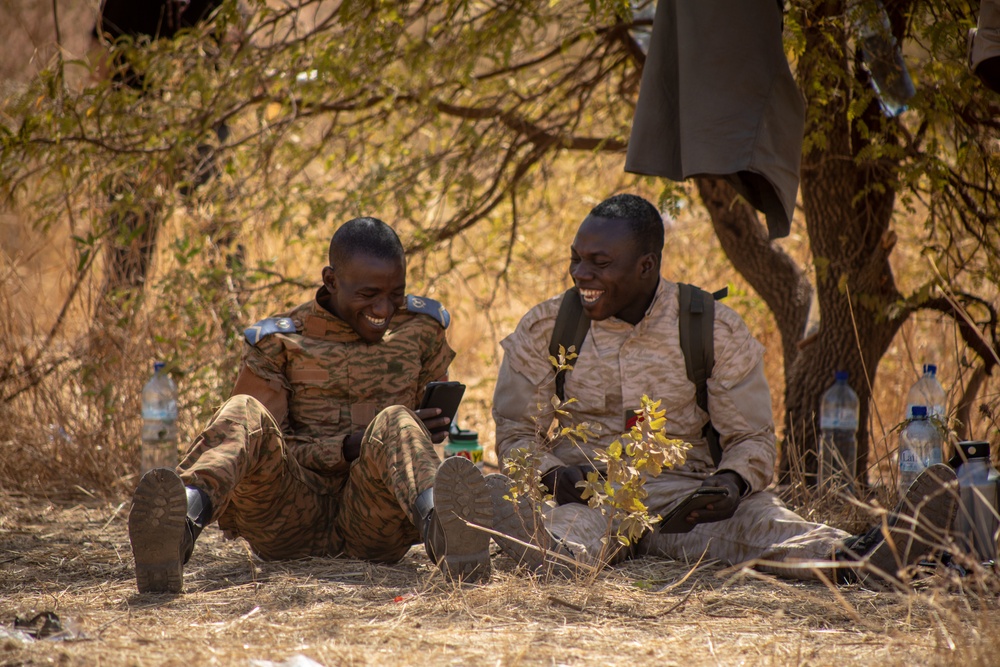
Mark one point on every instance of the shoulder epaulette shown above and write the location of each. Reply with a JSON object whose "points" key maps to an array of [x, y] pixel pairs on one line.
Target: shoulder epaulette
{"points": [[266, 327], [422, 304]]}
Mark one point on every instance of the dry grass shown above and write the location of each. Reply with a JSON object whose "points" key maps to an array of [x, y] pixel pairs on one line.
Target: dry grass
{"points": [[73, 559]]}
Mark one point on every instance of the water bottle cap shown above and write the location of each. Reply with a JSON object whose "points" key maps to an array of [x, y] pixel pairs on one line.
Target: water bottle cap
{"points": [[919, 410], [975, 449], [463, 435], [841, 376], [158, 366], [930, 369]]}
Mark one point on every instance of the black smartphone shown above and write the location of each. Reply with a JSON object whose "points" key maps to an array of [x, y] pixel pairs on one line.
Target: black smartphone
{"points": [[675, 521], [443, 395]]}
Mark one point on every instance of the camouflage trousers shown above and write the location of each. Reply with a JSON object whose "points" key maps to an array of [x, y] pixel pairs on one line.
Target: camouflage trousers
{"points": [[283, 510], [762, 530]]}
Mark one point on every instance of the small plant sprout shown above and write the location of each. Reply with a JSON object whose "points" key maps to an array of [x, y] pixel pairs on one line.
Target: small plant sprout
{"points": [[642, 450]]}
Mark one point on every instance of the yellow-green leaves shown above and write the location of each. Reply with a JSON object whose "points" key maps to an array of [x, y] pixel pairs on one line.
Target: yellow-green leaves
{"points": [[644, 451]]}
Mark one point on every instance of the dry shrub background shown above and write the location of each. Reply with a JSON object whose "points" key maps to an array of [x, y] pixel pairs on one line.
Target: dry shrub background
{"points": [[71, 417]]}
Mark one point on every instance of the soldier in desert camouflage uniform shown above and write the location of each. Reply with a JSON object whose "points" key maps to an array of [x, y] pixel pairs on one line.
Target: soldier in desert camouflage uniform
{"points": [[318, 452], [632, 348]]}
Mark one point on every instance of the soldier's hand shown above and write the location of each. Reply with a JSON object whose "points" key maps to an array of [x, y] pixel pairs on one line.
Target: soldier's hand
{"points": [[726, 505], [561, 483], [435, 423], [352, 445]]}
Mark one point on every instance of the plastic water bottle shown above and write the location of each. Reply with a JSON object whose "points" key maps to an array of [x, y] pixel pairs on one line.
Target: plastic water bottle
{"points": [[159, 421], [919, 446], [977, 524], [883, 59], [927, 391], [838, 423]]}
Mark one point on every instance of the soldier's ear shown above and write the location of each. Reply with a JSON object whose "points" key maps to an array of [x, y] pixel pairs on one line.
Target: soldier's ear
{"points": [[329, 279], [649, 265]]}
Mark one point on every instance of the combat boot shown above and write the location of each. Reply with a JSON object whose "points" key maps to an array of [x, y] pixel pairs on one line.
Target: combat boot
{"points": [[918, 527], [459, 497], [163, 524], [525, 538]]}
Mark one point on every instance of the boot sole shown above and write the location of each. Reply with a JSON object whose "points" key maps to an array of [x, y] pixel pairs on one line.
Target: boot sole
{"points": [[923, 520], [460, 496], [156, 525]]}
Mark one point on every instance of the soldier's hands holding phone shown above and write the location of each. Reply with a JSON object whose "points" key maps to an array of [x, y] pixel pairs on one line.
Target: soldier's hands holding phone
{"points": [[437, 410], [435, 422], [724, 506], [438, 407], [432, 418]]}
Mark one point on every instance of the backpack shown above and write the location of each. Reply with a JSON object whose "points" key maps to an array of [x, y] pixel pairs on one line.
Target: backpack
{"points": [[697, 321]]}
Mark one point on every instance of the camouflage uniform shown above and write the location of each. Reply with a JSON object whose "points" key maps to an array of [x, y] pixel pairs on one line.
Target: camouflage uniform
{"points": [[618, 363], [271, 460]]}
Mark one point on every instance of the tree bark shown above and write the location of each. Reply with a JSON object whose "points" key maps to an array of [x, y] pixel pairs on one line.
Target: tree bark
{"points": [[848, 205], [775, 276]]}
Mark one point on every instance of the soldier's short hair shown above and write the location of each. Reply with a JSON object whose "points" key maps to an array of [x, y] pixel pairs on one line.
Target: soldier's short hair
{"points": [[644, 220], [365, 236]]}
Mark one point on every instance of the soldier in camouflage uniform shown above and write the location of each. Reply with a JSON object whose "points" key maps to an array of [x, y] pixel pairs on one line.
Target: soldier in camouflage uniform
{"points": [[319, 452], [632, 348]]}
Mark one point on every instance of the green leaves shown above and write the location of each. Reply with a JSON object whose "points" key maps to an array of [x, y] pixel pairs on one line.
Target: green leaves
{"points": [[644, 451]]}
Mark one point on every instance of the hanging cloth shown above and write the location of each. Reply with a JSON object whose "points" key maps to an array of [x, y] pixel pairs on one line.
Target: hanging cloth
{"points": [[717, 97]]}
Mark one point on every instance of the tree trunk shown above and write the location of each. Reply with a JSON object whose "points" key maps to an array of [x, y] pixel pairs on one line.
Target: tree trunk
{"points": [[848, 205], [775, 276]]}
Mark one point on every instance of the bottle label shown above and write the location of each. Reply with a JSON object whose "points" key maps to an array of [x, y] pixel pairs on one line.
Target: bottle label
{"points": [[471, 451], [908, 461], [154, 430]]}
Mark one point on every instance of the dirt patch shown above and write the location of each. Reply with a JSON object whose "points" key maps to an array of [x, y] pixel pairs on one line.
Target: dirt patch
{"points": [[73, 558]]}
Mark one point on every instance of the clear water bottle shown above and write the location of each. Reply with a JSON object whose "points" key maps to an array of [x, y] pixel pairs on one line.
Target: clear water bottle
{"points": [[977, 524], [883, 59], [159, 421], [838, 423], [927, 391], [919, 446]]}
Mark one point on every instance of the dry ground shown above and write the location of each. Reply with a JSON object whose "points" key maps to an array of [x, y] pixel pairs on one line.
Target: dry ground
{"points": [[72, 557]]}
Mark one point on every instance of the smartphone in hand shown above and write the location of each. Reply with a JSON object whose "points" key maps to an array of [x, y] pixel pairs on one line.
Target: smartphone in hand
{"points": [[443, 395], [675, 521]]}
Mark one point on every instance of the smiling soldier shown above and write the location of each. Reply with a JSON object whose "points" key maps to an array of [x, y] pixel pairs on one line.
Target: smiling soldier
{"points": [[319, 452], [632, 341]]}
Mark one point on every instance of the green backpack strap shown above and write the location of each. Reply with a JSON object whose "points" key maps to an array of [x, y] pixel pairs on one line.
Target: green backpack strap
{"points": [[570, 330], [697, 326]]}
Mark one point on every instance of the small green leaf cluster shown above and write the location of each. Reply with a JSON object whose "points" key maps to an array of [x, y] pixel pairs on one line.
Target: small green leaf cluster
{"points": [[642, 451], [523, 465]]}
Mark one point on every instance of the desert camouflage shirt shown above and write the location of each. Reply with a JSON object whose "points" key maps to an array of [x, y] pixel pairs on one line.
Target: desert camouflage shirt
{"points": [[321, 382], [618, 363]]}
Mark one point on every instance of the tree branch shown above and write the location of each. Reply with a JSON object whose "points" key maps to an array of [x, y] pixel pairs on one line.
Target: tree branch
{"points": [[774, 275], [958, 310]]}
